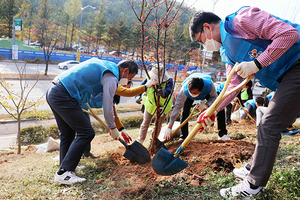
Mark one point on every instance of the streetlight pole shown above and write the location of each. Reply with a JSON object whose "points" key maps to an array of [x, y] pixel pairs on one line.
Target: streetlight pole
{"points": [[204, 56], [78, 49]]}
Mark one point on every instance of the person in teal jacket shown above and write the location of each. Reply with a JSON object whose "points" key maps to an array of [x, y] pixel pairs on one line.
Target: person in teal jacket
{"points": [[94, 82], [268, 47]]}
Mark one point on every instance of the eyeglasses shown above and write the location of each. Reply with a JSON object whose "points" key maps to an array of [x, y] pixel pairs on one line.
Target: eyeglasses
{"points": [[199, 38]]}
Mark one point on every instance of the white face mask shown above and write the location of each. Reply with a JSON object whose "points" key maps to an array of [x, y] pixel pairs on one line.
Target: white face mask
{"points": [[123, 81], [193, 95], [211, 44]]}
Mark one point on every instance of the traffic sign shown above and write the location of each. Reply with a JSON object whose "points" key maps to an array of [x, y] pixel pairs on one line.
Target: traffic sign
{"points": [[18, 23]]}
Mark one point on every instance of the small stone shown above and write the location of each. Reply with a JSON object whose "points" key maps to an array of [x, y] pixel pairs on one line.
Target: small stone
{"points": [[113, 184], [291, 158], [195, 183], [99, 181]]}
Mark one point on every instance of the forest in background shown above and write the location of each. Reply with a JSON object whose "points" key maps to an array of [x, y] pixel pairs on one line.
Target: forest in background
{"points": [[112, 25]]}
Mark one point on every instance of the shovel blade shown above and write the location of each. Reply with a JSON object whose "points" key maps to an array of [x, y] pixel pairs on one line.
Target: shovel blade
{"points": [[164, 163], [137, 153]]}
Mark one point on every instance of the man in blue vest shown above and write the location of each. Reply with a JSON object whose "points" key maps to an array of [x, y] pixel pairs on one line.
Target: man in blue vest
{"points": [[268, 47], [197, 86], [68, 92]]}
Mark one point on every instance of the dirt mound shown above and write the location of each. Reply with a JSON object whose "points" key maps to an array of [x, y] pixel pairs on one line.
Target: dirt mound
{"points": [[215, 154]]}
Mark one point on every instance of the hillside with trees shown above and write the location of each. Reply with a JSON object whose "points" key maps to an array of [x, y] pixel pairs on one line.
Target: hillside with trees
{"points": [[111, 26]]}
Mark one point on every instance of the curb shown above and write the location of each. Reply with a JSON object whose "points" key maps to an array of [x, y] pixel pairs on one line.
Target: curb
{"points": [[22, 120]]}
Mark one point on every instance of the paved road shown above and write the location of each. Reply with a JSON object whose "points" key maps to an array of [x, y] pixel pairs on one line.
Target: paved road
{"points": [[8, 131]]}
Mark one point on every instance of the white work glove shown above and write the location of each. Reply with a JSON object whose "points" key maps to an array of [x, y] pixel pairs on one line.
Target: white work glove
{"points": [[151, 83], [245, 69], [205, 120], [114, 133], [201, 107], [167, 134], [125, 136], [138, 100]]}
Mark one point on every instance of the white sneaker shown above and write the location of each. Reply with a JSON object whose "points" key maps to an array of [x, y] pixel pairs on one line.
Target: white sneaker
{"points": [[224, 137], [242, 190], [67, 178], [241, 172], [80, 167]]}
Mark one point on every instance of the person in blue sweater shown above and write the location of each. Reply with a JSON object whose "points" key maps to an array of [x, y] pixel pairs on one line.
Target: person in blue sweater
{"points": [[69, 92]]}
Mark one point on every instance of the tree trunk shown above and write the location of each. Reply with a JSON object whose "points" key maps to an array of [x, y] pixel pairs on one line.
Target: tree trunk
{"points": [[19, 134], [66, 38]]}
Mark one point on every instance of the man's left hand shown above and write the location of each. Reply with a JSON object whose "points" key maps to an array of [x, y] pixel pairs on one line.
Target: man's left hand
{"points": [[245, 69], [126, 136]]}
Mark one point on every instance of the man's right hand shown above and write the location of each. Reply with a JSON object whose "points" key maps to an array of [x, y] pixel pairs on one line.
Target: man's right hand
{"points": [[114, 133], [138, 100], [167, 135]]}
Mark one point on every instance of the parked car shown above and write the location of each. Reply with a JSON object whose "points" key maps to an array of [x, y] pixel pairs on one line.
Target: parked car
{"points": [[67, 64]]}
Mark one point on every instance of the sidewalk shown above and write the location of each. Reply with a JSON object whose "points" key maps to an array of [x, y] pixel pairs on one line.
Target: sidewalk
{"points": [[8, 135], [42, 77]]}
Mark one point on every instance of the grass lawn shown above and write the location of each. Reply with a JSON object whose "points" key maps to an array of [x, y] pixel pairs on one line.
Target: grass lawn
{"points": [[30, 175]]}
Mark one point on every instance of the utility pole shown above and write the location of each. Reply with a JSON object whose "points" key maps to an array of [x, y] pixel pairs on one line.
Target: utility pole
{"points": [[78, 49]]}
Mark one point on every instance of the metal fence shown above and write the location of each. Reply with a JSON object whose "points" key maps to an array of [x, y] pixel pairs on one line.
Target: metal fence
{"points": [[61, 57]]}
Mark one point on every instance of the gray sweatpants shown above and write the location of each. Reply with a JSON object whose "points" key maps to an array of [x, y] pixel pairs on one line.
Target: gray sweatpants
{"points": [[282, 111], [145, 125]]}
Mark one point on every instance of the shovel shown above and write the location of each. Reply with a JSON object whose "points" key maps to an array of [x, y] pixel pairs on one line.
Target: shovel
{"points": [[135, 152], [159, 144], [166, 163]]}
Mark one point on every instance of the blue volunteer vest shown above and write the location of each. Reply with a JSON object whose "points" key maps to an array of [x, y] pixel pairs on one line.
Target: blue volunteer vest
{"points": [[83, 81], [251, 102], [206, 89], [220, 87], [239, 50]]}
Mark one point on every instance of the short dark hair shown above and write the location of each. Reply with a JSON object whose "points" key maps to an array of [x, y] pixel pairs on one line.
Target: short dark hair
{"points": [[264, 101], [130, 64], [198, 19], [196, 83]]}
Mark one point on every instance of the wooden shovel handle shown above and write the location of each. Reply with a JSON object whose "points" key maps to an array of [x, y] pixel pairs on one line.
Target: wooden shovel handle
{"points": [[184, 122], [91, 112], [214, 107], [239, 104]]}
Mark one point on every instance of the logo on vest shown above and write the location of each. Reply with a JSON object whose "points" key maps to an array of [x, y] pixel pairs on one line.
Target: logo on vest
{"points": [[254, 54]]}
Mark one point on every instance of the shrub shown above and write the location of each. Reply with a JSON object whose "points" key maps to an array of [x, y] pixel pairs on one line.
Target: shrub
{"points": [[52, 131], [38, 134], [37, 60], [132, 121], [32, 135]]}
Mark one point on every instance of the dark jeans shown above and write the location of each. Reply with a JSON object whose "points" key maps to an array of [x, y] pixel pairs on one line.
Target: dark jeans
{"points": [[76, 131], [186, 112], [283, 109], [228, 113], [221, 123]]}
